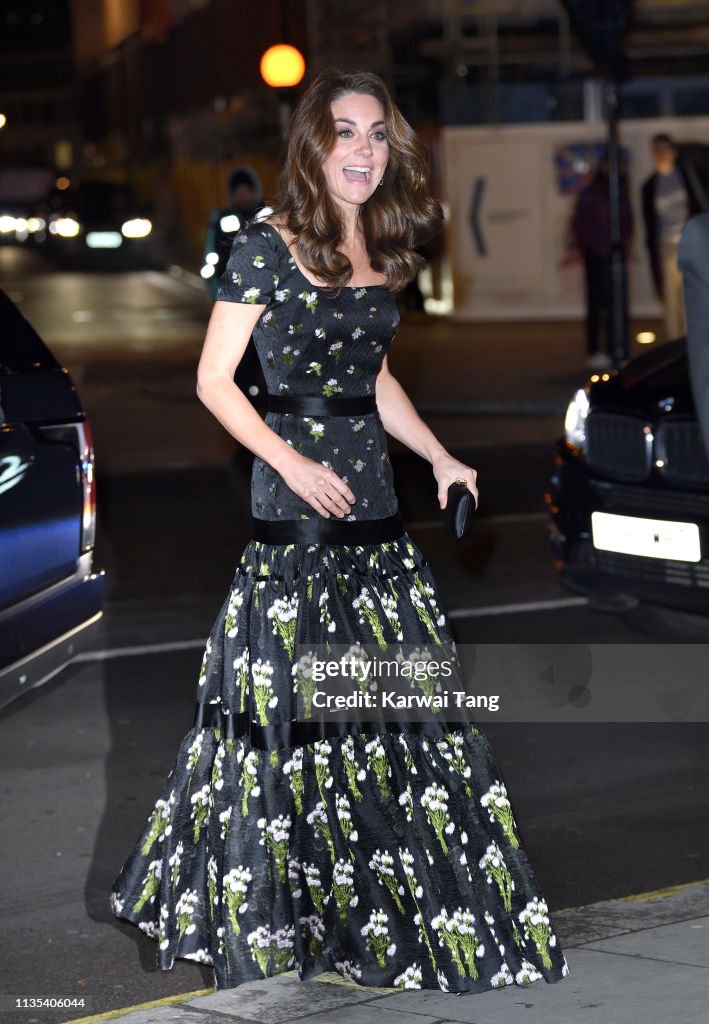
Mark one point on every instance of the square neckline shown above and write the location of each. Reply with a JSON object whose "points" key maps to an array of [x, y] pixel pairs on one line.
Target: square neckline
{"points": [[311, 284]]}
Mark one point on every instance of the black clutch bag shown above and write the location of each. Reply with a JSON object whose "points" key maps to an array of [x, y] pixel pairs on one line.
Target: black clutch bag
{"points": [[460, 510]]}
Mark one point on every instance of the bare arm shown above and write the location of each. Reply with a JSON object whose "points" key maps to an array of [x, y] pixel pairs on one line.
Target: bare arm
{"points": [[401, 420], [228, 333]]}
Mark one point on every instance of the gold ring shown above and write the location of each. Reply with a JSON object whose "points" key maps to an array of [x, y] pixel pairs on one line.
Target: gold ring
{"points": [[461, 481]]}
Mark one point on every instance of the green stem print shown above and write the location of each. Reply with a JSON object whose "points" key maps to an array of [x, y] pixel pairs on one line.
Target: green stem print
{"points": [[382, 863], [236, 599], [315, 887], [284, 613], [417, 594], [344, 816], [367, 612], [212, 897], [536, 923], [241, 677], [294, 770], [315, 429], [452, 748], [303, 683], [331, 388], [378, 762], [493, 864], [435, 803], [411, 978], [416, 890], [260, 944], [317, 819], [314, 927], [310, 299], [353, 771], [376, 933], [457, 933], [323, 775], [343, 887], [499, 809], [236, 884], [249, 780], [175, 862], [200, 810], [159, 823], [275, 837], [205, 661], [264, 697], [151, 884], [184, 911]]}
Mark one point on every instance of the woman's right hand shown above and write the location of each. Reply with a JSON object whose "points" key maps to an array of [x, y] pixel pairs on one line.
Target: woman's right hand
{"points": [[317, 485]]}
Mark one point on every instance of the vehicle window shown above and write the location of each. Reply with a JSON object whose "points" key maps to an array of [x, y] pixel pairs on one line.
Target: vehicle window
{"points": [[21, 348]]}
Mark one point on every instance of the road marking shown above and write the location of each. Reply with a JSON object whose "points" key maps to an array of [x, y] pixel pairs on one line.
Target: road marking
{"points": [[516, 608], [165, 1001], [137, 649]]}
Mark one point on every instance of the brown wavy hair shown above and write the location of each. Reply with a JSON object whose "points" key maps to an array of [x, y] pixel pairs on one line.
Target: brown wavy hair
{"points": [[401, 214]]}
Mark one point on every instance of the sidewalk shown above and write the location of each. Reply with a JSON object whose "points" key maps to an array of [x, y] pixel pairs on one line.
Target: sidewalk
{"points": [[639, 960]]}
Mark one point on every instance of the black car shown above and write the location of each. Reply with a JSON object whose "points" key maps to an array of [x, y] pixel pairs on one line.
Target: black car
{"points": [[629, 494], [99, 223], [50, 596]]}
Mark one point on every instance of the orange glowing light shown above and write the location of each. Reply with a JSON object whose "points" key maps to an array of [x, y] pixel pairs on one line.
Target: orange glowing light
{"points": [[282, 66]]}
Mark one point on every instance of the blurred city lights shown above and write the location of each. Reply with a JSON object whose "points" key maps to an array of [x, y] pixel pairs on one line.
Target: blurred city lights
{"points": [[137, 227], [62, 183], [282, 66], [645, 338], [3, 120], [67, 227]]}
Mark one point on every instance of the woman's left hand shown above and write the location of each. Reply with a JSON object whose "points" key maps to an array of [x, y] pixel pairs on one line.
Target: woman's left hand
{"points": [[447, 470]]}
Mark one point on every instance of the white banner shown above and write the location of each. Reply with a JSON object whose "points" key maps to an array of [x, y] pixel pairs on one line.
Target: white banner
{"points": [[511, 191]]}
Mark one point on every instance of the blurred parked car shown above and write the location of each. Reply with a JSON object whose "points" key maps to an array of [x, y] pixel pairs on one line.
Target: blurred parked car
{"points": [[50, 596], [99, 223], [629, 494]]}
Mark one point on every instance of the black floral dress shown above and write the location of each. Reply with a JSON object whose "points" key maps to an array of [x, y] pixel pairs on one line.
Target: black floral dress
{"points": [[390, 856]]}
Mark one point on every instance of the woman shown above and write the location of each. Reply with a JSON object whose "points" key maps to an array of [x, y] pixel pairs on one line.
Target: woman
{"points": [[591, 228], [388, 854]]}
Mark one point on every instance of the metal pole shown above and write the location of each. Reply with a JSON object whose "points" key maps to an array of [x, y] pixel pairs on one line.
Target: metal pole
{"points": [[618, 327]]}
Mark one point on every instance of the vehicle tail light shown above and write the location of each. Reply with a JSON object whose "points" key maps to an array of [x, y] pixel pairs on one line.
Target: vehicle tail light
{"points": [[88, 481]]}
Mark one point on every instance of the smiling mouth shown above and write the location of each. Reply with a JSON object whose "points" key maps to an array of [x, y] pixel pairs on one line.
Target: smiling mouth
{"points": [[357, 173]]}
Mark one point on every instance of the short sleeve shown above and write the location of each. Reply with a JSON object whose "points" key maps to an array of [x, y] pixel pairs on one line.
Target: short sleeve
{"points": [[251, 273]]}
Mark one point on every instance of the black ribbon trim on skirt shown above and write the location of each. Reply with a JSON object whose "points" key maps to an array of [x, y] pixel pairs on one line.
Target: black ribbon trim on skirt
{"points": [[327, 531], [315, 405], [285, 735]]}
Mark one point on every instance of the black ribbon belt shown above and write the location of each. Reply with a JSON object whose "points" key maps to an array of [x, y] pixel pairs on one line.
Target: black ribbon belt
{"points": [[320, 530], [285, 735], [314, 405]]}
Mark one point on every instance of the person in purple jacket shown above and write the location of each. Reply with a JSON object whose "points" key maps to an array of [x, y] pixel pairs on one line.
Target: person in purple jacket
{"points": [[591, 230]]}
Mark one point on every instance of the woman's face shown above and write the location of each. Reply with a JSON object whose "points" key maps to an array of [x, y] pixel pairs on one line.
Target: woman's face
{"points": [[357, 161]]}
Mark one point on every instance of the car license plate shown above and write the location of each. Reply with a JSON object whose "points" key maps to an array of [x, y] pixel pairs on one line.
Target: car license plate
{"points": [[104, 239], [652, 538]]}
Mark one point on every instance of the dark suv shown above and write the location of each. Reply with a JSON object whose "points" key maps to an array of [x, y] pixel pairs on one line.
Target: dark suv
{"points": [[50, 597], [629, 493]]}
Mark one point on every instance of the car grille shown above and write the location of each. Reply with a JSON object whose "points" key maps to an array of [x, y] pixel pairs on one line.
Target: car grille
{"points": [[646, 501], [618, 446], [654, 570], [680, 446]]}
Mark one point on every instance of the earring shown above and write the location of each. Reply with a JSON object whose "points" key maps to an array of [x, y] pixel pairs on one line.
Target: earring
{"points": [[381, 182]]}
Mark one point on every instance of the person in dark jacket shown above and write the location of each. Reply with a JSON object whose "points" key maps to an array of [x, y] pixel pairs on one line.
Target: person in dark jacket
{"points": [[693, 262], [591, 229], [672, 194], [244, 189]]}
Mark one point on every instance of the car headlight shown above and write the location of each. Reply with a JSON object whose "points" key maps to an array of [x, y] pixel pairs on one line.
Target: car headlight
{"points": [[137, 227], [67, 227], [575, 420]]}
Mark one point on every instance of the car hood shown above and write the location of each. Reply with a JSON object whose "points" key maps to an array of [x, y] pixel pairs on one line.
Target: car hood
{"points": [[654, 381]]}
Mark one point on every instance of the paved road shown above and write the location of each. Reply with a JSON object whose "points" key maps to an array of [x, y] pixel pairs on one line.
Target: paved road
{"points": [[605, 810]]}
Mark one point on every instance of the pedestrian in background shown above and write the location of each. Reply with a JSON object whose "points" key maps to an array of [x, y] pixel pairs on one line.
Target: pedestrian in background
{"points": [[672, 194], [693, 260], [591, 230], [245, 200]]}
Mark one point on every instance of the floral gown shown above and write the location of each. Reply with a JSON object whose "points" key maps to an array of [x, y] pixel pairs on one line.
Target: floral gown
{"points": [[391, 857]]}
